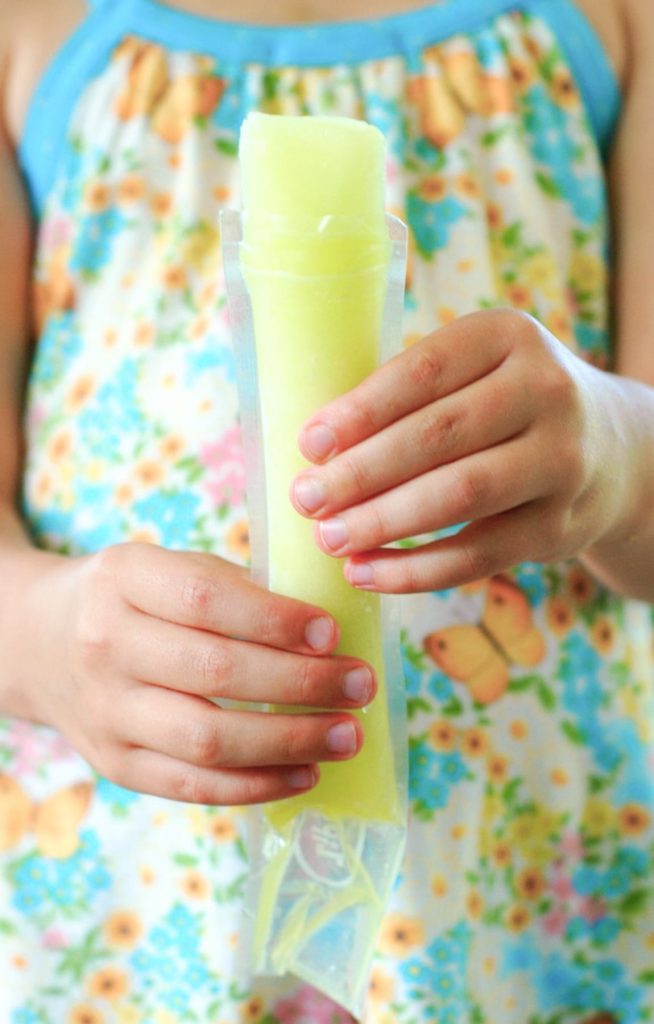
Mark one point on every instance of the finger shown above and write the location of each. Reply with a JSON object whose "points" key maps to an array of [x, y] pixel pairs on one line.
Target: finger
{"points": [[146, 771], [478, 417], [443, 362], [203, 663], [480, 550], [195, 730], [208, 593], [473, 488]]}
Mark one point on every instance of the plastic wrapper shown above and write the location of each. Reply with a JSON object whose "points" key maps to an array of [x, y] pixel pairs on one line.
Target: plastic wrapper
{"points": [[323, 863]]}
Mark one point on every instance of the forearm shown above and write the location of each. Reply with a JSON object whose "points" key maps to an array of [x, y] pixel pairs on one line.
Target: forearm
{"points": [[624, 558], [24, 575]]}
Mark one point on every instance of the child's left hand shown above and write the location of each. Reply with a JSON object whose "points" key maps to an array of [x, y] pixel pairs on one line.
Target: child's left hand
{"points": [[490, 421]]}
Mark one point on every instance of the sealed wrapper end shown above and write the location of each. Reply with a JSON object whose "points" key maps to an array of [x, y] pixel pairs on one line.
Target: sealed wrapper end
{"points": [[315, 280]]}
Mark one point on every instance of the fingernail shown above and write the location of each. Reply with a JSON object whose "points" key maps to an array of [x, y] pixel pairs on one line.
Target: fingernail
{"points": [[319, 441], [333, 533], [342, 738], [302, 778], [360, 574], [357, 685], [319, 633], [309, 493]]}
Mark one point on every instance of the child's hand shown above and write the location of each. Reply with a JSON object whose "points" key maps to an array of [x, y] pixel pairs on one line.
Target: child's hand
{"points": [[137, 639], [489, 421]]}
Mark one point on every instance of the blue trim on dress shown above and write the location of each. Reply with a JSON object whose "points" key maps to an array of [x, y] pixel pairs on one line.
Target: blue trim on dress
{"points": [[86, 52]]}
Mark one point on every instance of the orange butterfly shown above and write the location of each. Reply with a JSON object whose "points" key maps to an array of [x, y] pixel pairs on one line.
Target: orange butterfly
{"points": [[55, 822], [480, 655]]}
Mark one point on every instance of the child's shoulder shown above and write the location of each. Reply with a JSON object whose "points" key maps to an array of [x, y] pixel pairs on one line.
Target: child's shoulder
{"points": [[30, 33]]}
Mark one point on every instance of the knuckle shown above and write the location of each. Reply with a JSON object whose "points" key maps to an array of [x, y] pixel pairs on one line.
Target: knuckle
{"points": [[271, 622], [213, 666], [307, 683], [425, 368], [292, 743], [359, 473], [196, 596], [191, 786], [470, 490], [519, 325], [478, 563], [93, 639], [377, 525], [440, 430], [203, 744], [363, 417]]}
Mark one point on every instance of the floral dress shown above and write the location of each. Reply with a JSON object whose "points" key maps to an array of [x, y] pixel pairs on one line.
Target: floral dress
{"points": [[526, 895]]}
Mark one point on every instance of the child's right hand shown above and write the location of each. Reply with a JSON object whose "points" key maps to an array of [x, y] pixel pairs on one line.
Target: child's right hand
{"points": [[134, 641]]}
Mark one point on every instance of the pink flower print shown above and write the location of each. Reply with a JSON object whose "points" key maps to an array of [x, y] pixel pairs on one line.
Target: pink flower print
{"points": [[56, 231], [555, 922], [55, 938], [34, 747], [308, 1006], [226, 469], [561, 886], [572, 845], [592, 908]]}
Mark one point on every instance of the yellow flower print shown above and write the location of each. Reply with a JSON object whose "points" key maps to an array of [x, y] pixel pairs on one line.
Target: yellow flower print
{"points": [[504, 175], [439, 885], [195, 885], [587, 272], [60, 445], [442, 735], [580, 586], [381, 987], [252, 1010], [147, 875], [475, 742], [522, 74], [123, 929], [222, 829], [529, 883], [497, 767], [143, 334], [560, 615], [633, 819], [518, 729], [146, 80], [80, 392], [81, 1014], [446, 314], [559, 777], [598, 817], [519, 295], [517, 918], [499, 94], [563, 90], [432, 188], [474, 904], [501, 854], [185, 99], [201, 248], [539, 271], [400, 934], [238, 540], [494, 216], [149, 473], [559, 323], [602, 635], [161, 204], [464, 76], [174, 277], [171, 447], [441, 117], [131, 189], [128, 1015], [468, 185], [97, 196], [56, 291], [108, 983]]}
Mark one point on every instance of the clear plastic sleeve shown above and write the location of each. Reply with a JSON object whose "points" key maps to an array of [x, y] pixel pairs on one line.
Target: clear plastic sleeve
{"points": [[322, 864]]}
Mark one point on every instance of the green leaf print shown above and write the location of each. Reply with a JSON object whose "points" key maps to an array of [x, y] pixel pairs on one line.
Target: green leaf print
{"points": [[646, 977], [545, 695], [416, 704], [574, 733], [185, 860], [548, 185], [634, 902], [76, 960], [227, 146]]}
